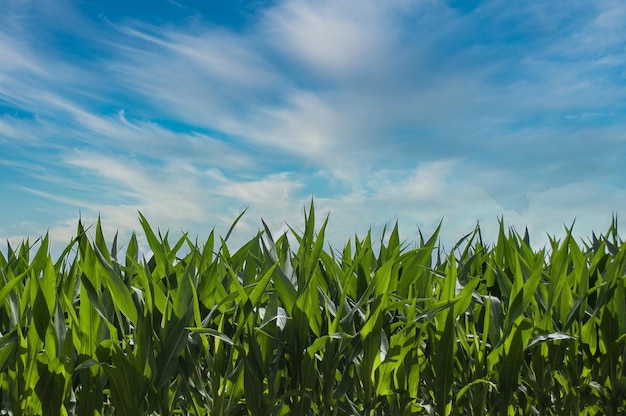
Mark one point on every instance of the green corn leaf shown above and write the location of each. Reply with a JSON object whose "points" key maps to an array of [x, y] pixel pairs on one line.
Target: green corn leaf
{"points": [[154, 243], [101, 244], [8, 350], [174, 340], [444, 365], [126, 380], [542, 338], [8, 287], [317, 249], [183, 296], [521, 298], [119, 291], [49, 388], [41, 314]]}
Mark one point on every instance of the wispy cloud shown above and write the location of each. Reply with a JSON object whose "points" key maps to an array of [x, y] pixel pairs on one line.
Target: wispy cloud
{"points": [[383, 110]]}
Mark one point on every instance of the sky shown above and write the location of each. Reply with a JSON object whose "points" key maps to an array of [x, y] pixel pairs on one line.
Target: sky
{"points": [[408, 111]]}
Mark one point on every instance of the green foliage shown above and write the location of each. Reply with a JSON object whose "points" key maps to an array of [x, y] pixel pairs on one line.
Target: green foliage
{"points": [[275, 330]]}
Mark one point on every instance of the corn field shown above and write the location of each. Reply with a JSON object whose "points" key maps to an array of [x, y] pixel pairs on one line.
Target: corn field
{"points": [[280, 328]]}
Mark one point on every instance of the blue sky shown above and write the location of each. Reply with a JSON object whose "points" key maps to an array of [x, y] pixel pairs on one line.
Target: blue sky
{"points": [[415, 111]]}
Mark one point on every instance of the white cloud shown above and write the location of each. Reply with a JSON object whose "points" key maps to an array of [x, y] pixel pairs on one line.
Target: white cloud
{"points": [[275, 189], [435, 192], [168, 191], [17, 57], [409, 110], [335, 39], [307, 126], [13, 130]]}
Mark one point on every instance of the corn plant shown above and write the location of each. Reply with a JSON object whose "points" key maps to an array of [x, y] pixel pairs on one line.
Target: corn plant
{"points": [[275, 328]]}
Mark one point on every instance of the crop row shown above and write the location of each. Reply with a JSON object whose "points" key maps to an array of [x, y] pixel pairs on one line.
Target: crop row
{"points": [[272, 329]]}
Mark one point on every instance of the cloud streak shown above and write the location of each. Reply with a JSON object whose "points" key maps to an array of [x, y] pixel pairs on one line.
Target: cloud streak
{"points": [[382, 110]]}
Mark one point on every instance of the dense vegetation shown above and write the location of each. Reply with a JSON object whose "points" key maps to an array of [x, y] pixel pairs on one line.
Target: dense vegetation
{"points": [[273, 329]]}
